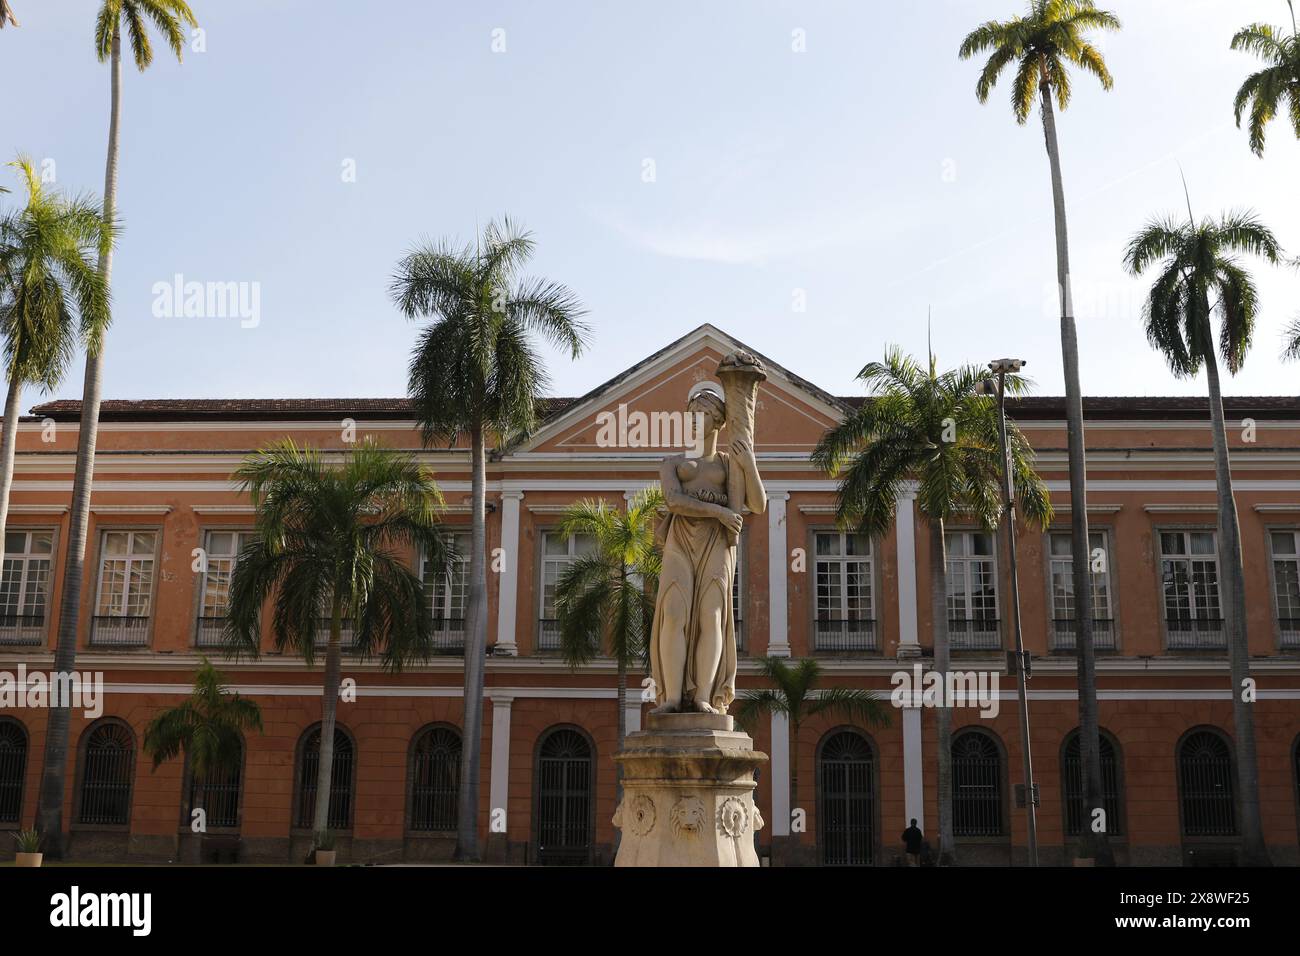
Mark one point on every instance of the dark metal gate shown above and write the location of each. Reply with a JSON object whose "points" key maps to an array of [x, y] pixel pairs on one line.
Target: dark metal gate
{"points": [[435, 780], [1076, 816], [106, 776], [1205, 786], [976, 786], [218, 796], [340, 808], [13, 769], [564, 799], [846, 782]]}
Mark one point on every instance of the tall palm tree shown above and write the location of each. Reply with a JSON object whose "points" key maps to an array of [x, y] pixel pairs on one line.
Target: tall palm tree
{"points": [[794, 695], [328, 554], [1292, 336], [51, 298], [605, 599], [939, 431], [1277, 83], [1042, 46], [208, 728], [475, 372], [1199, 277], [169, 17]]}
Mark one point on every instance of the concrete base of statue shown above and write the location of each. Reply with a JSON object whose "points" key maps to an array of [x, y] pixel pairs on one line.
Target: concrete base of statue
{"points": [[688, 793]]}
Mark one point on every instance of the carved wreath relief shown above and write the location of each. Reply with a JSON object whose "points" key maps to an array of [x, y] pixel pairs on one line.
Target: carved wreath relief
{"points": [[733, 817]]}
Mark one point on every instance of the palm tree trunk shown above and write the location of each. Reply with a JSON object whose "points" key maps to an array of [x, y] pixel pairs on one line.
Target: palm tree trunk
{"points": [[49, 813], [329, 711], [792, 747], [1094, 845], [622, 736], [467, 847], [8, 441], [943, 716], [1254, 851]]}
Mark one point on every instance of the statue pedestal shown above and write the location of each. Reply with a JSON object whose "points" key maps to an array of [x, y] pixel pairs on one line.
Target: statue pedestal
{"points": [[688, 793]]}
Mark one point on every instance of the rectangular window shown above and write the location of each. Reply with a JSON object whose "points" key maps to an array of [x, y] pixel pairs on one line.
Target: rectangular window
{"points": [[1062, 577], [1285, 546], [846, 619], [1189, 574], [125, 597], [24, 586], [222, 549], [448, 596], [972, 591], [559, 551]]}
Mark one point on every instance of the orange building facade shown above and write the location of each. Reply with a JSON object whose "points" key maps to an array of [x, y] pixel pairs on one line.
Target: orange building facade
{"points": [[164, 528]]}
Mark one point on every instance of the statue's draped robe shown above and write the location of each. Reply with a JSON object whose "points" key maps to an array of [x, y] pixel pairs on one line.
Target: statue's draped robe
{"points": [[697, 557]]}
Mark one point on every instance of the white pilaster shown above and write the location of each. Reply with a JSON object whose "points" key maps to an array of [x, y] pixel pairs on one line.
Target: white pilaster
{"points": [[779, 764], [499, 789], [633, 710], [913, 782], [778, 610], [905, 530], [509, 592]]}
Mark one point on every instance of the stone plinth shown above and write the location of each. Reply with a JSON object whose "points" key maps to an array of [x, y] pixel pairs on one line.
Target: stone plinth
{"points": [[688, 793]]}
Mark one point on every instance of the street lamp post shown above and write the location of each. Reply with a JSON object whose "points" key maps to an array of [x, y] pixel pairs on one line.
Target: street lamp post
{"points": [[1001, 368]]}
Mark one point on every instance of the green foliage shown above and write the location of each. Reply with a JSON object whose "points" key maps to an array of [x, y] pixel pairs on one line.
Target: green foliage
{"points": [[933, 428], [29, 841], [794, 695], [331, 539], [608, 595], [170, 17], [476, 365], [52, 297], [1041, 45], [208, 728], [1292, 336], [1199, 276], [1265, 92]]}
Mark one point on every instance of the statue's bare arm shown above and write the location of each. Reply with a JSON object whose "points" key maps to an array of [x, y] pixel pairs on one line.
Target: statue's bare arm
{"points": [[680, 503]]}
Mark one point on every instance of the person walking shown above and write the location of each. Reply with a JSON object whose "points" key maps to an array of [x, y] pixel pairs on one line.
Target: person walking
{"points": [[913, 839]]}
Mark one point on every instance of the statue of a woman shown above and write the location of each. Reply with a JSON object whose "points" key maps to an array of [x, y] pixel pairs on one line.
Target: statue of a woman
{"points": [[693, 641]]}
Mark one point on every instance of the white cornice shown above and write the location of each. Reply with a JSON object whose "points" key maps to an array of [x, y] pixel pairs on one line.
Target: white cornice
{"points": [[131, 509]]}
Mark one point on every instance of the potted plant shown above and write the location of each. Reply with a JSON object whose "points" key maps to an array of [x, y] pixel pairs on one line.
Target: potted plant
{"points": [[29, 848], [325, 851]]}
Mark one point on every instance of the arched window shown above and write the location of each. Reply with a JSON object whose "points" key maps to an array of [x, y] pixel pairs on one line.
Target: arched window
{"points": [[846, 790], [977, 787], [13, 769], [218, 794], [435, 779], [341, 779], [1076, 816], [107, 765], [1205, 788], [565, 798]]}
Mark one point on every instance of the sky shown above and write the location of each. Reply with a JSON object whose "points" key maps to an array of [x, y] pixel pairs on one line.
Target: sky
{"points": [[815, 178]]}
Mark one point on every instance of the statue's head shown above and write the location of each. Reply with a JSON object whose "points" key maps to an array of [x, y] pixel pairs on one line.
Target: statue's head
{"points": [[706, 398]]}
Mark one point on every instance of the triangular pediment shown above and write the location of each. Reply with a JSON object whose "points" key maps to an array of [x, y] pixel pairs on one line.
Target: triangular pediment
{"points": [[642, 411]]}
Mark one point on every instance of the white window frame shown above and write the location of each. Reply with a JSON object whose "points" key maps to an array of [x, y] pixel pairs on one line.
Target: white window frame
{"points": [[1288, 636], [1104, 610], [105, 633], [862, 637], [1187, 639], [547, 633], [23, 631], [216, 565], [971, 639], [448, 593]]}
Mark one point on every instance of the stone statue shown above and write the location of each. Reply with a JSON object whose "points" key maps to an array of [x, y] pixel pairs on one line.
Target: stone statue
{"points": [[693, 638]]}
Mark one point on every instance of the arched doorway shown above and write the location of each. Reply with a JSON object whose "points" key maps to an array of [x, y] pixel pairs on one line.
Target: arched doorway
{"points": [[564, 797], [846, 792]]}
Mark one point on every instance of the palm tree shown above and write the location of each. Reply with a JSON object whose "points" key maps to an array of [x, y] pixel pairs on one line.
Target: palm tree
{"points": [[475, 371], [1292, 336], [51, 298], [794, 695], [606, 598], [327, 552], [169, 17], [1199, 275], [208, 729], [1266, 90], [1043, 45], [937, 430]]}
